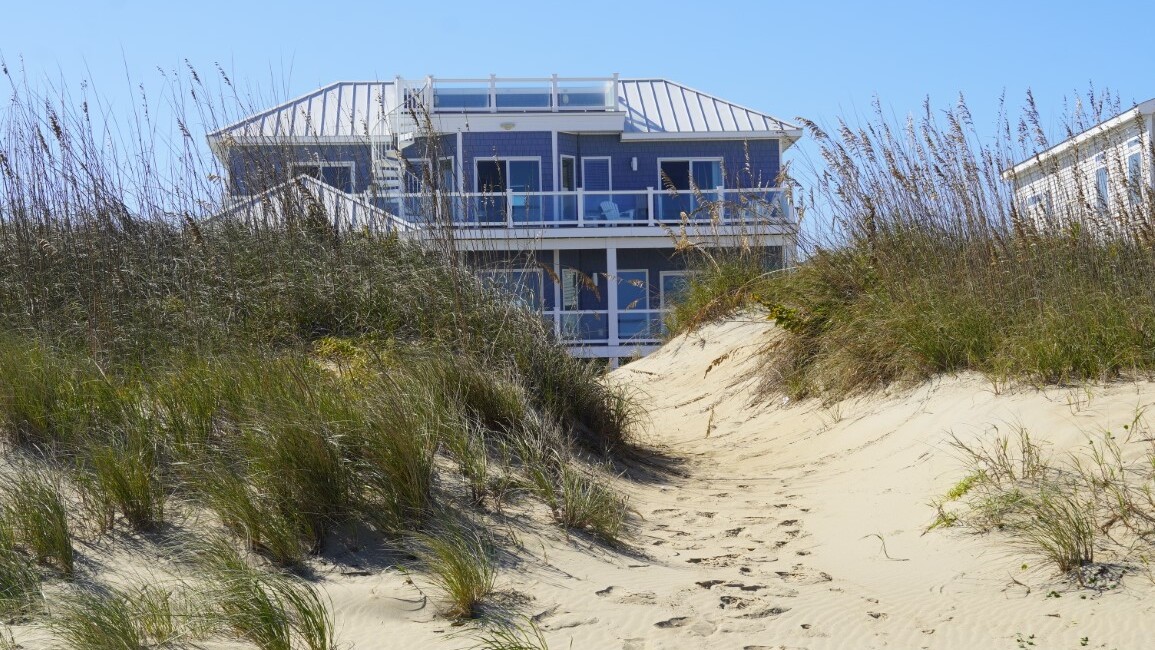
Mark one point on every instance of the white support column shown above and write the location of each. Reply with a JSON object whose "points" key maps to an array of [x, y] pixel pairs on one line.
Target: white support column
{"points": [[555, 165], [460, 162], [460, 210], [612, 294]]}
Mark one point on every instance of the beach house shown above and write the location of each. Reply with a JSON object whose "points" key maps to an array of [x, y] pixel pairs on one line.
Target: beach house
{"points": [[577, 195], [1103, 173]]}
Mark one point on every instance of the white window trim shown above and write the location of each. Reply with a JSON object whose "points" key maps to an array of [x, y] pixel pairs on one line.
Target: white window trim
{"points": [[507, 160], [609, 171], [293, 173], [690, 162]]}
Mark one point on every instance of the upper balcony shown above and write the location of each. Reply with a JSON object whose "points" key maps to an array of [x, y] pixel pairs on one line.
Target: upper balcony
{"points": [[512, 94]]}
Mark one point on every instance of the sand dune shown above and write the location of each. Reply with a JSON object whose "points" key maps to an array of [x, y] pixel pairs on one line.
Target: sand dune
{"points": [[769, 524], [801, 525]]}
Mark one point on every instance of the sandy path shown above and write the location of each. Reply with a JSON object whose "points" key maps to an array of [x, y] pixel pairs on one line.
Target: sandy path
{"points": [[801, 526]]}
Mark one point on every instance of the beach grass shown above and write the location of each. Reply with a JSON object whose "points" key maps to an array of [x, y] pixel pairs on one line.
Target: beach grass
{"points": [[274, 382]]}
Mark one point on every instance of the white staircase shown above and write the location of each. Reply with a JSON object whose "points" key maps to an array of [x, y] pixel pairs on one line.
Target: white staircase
{"points": [[398, 129]]}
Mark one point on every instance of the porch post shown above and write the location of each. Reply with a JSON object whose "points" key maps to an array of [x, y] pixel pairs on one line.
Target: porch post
{"points": [[612, 294]]}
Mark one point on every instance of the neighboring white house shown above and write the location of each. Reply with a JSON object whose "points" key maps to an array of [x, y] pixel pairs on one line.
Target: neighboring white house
{"points": [[1105, 171]]}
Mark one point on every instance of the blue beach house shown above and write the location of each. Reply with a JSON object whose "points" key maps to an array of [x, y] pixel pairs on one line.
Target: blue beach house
{"points": [[577, 195]]}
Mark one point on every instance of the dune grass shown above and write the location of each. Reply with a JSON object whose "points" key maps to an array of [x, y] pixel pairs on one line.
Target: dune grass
{"points": [[35, 513], [461, 562], [274, 611]]}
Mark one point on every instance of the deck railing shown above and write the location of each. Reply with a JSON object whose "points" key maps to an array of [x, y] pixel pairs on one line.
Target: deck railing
{"points": [[638, 326], [590, 209]]}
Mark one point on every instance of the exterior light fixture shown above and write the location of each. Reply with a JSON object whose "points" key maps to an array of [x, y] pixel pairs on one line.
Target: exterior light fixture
{"points": [[507, 126], [634, 164]]}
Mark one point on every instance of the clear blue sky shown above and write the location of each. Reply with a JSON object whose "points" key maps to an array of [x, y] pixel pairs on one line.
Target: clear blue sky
{"points": [[818, 59]]}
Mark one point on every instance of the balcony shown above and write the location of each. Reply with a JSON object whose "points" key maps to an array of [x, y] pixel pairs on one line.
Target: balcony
{"points": [[580, 209]]}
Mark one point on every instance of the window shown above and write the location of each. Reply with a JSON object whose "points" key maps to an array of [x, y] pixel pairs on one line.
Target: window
{"points": [[673, 286], [521, 177], [1101, 190], [1135, 179], [524, 286], [336, 174], [417, 169], [1039, 205], [596, 176], [568, 174], [633, 302], [693, 181], [497, 175]]}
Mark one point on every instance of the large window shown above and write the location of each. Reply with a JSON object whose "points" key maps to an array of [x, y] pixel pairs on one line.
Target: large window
{"points": [[681, 175], [336, 174], [693, 180], [521, 177]]}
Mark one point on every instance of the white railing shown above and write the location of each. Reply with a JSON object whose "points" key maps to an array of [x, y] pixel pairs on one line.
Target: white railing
{"points": [[591, 209], [591, 326], [516, 94]]}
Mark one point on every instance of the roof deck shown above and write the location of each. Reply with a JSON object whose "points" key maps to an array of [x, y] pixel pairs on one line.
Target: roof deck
{"points": [[514, 94]]}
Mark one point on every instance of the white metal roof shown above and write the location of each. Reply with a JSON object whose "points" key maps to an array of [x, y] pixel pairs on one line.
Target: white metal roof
{"points": [[661, 106], [345, 109], [652, 108]]}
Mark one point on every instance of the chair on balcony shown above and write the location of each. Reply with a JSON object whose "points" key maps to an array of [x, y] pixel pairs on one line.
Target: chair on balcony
{"points": [[610, 212]]}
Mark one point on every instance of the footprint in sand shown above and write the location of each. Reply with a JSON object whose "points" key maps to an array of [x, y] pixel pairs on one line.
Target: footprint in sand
{"points": [[766, 612], [733, 602], [745, 587], [733, 532], [716, 561], [677, 621], [640, 598], [804, 576]]}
